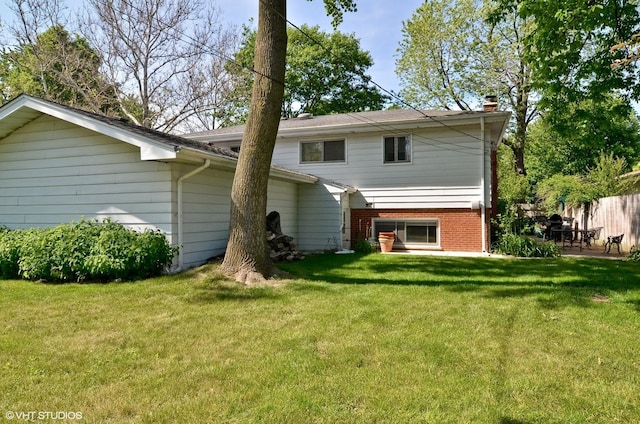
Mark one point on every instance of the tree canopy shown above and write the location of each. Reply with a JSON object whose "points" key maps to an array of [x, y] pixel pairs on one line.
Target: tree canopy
{"points": [[325, 73], [59, 67], [450, 57], [570, 48]]}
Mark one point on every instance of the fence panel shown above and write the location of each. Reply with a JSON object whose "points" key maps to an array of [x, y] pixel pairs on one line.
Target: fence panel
{"points": [[616, 215]]}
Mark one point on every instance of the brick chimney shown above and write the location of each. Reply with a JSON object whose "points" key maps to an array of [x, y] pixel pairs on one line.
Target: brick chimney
{"points": [[490, 104]]}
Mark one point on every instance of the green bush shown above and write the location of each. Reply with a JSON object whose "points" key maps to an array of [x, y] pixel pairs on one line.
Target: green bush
{"points": [[9, 253], [85, 250], [634, 254], [512, 244]]}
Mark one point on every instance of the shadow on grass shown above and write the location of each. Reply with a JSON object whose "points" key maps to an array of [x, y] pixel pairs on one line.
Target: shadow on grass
{"points": [[219, 292], [497, 277]]}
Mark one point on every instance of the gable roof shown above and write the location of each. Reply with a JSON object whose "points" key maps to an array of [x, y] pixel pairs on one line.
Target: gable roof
{"points": [[401, 119], [154, 145]]}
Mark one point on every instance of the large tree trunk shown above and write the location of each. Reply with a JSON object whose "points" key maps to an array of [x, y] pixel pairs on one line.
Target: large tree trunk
{"points": [[247, 256]]}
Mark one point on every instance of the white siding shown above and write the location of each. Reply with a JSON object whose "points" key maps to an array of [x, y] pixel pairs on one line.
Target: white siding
{"points": [[283, 198], [320, 217], [441, 157], [206, 209], [54, 172], [416, 197], [206, 212]]}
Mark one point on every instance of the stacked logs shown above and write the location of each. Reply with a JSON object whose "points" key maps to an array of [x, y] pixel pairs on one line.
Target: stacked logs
{"points": [[282, 247]]}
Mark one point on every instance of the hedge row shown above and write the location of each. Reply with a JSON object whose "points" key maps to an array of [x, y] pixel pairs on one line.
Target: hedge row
{"points": [[84, 251]]}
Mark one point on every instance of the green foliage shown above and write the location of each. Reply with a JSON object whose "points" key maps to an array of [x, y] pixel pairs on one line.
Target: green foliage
{"points": [[85, 250], [572, 144], [324, 74], [600, 181], [570, 49], [634, 254], [443, 47], [364, 246], [57, 66], [515, 245], [513, 188], [10, 242]]}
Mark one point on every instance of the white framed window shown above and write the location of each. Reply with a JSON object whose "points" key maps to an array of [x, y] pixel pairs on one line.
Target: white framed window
{"points": [[411, 233], [322, 151], [397, 149]]}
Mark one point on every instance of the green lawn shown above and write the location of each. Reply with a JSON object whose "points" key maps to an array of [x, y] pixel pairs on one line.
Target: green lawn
{"points": [[380, 338]]}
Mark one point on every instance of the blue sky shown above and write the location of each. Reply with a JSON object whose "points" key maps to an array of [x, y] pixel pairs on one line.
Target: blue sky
{"points": [[377, 24]]}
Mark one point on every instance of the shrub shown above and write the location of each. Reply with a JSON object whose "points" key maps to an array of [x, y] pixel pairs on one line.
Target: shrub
{"points": [[85, 250], [364, 246], [511, 244], [634, 254], [9, 253]]}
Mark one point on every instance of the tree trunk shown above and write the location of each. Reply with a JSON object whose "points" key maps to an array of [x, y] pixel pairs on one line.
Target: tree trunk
{"points": [[247, 256]]}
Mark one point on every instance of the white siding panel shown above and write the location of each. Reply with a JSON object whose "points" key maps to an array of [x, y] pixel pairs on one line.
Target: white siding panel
{"points": [[206, 212], [320, 217], [283, 198], [425, 197], [440, 157], [53, 172]]}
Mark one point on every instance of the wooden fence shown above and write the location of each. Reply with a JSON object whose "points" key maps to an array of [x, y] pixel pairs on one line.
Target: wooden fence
{"points": [[616, 215]]}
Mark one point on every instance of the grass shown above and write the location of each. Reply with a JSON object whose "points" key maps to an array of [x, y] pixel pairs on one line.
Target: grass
{"points": [[379, 338]]}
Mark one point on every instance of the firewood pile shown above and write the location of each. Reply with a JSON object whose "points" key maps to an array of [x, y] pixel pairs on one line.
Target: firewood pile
{"points": [[282, 247]]}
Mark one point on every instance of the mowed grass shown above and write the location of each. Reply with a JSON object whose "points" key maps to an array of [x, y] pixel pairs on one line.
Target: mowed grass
{"points": [[348, 338]]}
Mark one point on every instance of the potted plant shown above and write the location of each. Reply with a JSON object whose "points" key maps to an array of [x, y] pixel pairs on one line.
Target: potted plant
{"points": [[386, 240]]}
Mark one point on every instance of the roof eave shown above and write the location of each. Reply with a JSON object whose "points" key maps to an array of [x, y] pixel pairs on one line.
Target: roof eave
{"points": [[149, 149]]}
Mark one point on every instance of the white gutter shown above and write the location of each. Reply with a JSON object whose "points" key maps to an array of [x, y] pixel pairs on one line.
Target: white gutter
{"points": [[206, 164], [483, 209]]}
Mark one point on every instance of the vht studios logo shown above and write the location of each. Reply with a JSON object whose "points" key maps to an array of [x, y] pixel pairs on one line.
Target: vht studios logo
{"points": [[42, 415]]}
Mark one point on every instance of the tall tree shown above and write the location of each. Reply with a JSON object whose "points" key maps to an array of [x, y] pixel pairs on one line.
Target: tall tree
{"points": [[451, 57], [157, 52], [45, 60], [325, 73], [247, 257], [570, 48]]}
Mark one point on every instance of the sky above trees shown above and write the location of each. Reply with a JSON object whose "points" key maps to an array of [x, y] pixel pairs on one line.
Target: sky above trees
{"points": [[378, 25]]}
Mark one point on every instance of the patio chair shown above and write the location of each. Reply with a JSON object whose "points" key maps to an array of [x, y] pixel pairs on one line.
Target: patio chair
{"points": [[591, 236], [613, 240]]}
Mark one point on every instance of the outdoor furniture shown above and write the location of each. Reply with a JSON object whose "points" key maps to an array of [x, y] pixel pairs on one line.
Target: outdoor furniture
{"points": [[575, 236], [611, 240], [553, 224], [591, 235]]}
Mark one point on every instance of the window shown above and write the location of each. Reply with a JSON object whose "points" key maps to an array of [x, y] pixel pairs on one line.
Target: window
{"points": [[411, 233], [322, 151], [397, 149]]}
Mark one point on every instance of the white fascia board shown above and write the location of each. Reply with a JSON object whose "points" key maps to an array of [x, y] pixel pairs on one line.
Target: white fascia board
{"points": [[149, 149], [231, 163]]}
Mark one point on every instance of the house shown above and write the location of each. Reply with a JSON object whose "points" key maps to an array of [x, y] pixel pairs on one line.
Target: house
{"points": [[428, 176], [59, 164]]}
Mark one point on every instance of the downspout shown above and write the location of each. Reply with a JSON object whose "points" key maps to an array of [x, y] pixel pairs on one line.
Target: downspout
{"points": [[206, 164], [483, 210]]}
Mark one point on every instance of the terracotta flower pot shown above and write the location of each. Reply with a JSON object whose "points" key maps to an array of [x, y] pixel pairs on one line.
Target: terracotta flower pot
{"points": [[386, 240]]}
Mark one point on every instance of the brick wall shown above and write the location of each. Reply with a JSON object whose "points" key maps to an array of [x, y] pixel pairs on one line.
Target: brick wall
{"points": [[460, 229]]}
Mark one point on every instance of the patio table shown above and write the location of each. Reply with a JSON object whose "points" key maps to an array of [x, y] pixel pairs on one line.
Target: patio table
{"points": [[581, 235]]}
